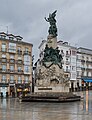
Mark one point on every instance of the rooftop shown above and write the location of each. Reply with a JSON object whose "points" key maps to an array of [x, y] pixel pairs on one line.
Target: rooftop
{"points": [[13, 38]]}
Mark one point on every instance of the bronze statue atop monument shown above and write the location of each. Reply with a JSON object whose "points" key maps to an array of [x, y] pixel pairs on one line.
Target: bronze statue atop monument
{"points": [[52, 21]]}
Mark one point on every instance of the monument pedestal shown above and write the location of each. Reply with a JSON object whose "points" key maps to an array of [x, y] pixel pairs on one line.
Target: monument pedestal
{"points": [[51, 79]]}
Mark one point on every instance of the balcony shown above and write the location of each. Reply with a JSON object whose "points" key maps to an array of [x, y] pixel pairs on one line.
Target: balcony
{"points": [[4, 60], [19, 62], [27, 53], [85, 76], [67, 70], [89, 68], [12, 50], [67, 62], [88, 61], [3, 70], [12, 70], [67, 55], [12, 61], [4, 84], [78, 76], [19, 81], [9, 71], [3, 80], [26, 81], [12, 81]]}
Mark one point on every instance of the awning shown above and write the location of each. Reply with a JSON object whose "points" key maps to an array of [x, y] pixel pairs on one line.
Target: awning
{"points": [[87, 80]]}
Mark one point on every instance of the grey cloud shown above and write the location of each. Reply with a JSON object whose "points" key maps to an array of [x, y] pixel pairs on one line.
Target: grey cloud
{"points": [[26, 18]]}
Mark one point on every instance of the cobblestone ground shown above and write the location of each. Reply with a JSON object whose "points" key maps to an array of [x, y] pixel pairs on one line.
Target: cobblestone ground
{"points": [[12, 109]]}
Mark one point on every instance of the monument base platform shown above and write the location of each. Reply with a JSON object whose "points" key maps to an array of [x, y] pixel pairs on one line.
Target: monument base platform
{"points": [[51, 97], [51, 89]]}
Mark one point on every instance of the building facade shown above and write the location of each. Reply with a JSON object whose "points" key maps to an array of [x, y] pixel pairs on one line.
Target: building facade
{"points": [[15, 65], [69, 62], [84, 67]]}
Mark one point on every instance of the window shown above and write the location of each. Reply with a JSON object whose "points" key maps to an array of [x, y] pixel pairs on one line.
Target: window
{"points": [[62, 52], [3, 47], [87, 73], [26, 79], [19, 51], [19, 79], [87, 66], [73, 76], [87, 58], [82, 74], [70, 52], [73, 68], [26, 49], [26, 60], [11, 38], [73, 60], [66, 52], [82, 57], [66, 59], [73, 52], [4, 67], [19, 48], [78, 73], [2, 36], [19, 57], [11, 68], [26, 68], [66, 68], [19, 68], [11, 79], [12, 47], [3, 78]]}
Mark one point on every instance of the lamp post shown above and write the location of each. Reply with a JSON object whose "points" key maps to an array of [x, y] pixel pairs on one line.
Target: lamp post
{"points": [[32, 75]]}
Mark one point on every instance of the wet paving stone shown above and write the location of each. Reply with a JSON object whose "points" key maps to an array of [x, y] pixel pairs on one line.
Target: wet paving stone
{"points": [[12, 109]]}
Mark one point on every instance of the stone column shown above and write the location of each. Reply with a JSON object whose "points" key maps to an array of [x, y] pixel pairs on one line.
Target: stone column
{"points": [[52, 41]]}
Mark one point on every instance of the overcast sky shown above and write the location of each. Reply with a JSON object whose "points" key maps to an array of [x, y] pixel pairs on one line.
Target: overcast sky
{"points": [[26, 18]]}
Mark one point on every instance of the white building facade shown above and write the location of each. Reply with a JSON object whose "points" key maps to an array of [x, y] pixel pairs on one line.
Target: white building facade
{"points": [[84, 66], [69, 54]]}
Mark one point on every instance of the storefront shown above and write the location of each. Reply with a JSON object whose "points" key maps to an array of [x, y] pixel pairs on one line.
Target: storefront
{"points": [[86, 83], [4, 89], [12, 90]]}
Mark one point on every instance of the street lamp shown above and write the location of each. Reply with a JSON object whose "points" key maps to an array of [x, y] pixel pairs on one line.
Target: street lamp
{"points": [[32, 75]]}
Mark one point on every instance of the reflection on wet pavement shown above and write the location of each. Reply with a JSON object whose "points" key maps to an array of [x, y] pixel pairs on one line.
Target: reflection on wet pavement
{"points": [[12, 109]]}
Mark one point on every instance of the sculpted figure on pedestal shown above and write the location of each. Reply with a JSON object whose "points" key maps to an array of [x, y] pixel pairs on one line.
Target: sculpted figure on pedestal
{"points": [[52, 21]]}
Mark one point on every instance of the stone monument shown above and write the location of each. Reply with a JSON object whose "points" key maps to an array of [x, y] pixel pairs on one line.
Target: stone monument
{"points": [[50, 74]]}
